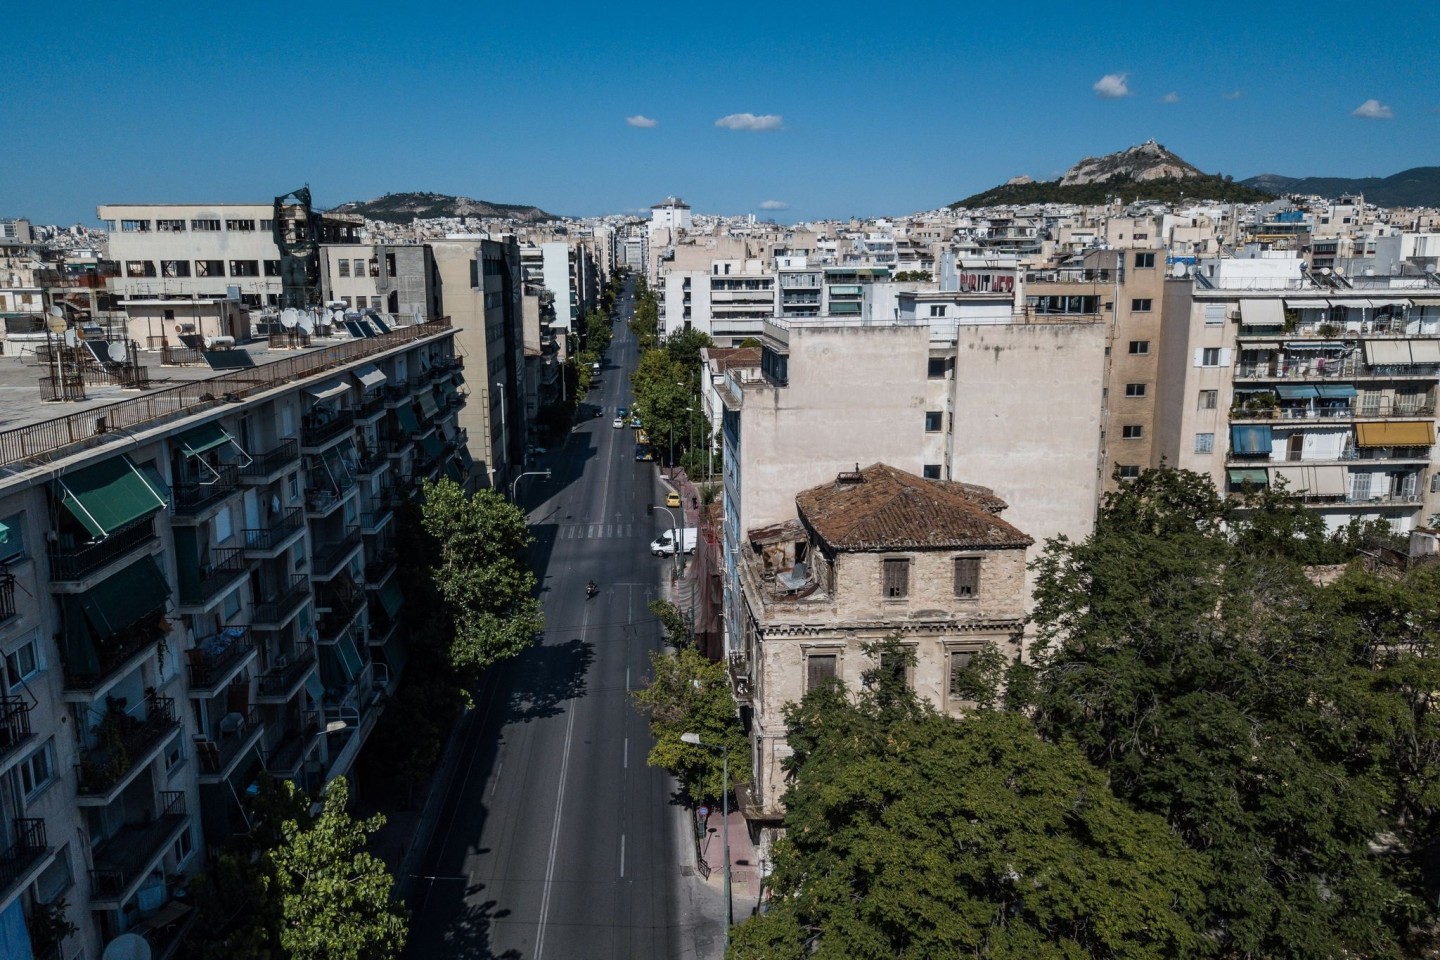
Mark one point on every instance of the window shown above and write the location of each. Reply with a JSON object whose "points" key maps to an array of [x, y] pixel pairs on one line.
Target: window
{"points": [[1204, 442], [1144, 261], [896, 668], [937, 309], [1209, 399], [819, 668], [1214, 314], [13, 546], [37, 770], [344, 266], [175, 268], [170, 226], [962, 683], [55, 879], [1134, 389], [967, 577], [272, 268], [934, 421], [174, 753], [1128, 471], [223, 528], [292, 484], [897, 578], [267, 225], [1212, 357], [184, 846], [134, 226], [1139, 348], [1360, 486], [359, 268], [244, 268], [232, 605], [931, 471], [937, 368], [1132, 431], [22, 663], [361, 303], [139, 268], [209, 226], [240, 225], [209, 268], [1141, 304]]}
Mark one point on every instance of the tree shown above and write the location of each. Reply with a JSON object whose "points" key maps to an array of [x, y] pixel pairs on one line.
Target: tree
{"points": [[335, 898], [673, 622], [689, 693], [912, 834], [1185, 651], [480, 573]]}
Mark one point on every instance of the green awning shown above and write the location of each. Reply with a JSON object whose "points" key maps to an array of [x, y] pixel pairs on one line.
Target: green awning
{"points": [[433, 446], [345, 646], [428, 406], [1251, 440], [4, 533], [1296, 392], [121, 598], [391, 598], [1250, 475], [393, 652], [332, 669], [405, 415], [315, 686], [448, 388], [1336, 391], [454, 471], [459, 377], [203, 439], [109, 495]]}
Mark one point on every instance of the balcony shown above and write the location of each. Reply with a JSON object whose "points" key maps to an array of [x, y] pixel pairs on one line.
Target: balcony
{"points": [[285, 759], [282, 681], [125, 746], [121, 651], [322, 501], [263, 543], [331, 558], [371, 523], [317, 433], [240, 732], [224, 569], [379, 568], [371, 407], [215, 661], [266, 467], [15, 729], [191, 500], [75, 563], [122, 861], [274, 613], [22, 861], [1341, 368], [741, 685]]}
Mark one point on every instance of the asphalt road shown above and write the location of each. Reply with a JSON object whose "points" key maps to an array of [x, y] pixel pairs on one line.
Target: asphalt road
{"points": [[555, 839]]}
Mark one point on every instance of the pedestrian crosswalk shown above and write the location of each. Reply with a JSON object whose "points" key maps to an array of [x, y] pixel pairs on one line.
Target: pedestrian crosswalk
{"points": [[595, 531]]}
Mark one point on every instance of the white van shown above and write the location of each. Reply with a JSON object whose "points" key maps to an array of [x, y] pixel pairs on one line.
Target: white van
{"points": [[664, 545]]}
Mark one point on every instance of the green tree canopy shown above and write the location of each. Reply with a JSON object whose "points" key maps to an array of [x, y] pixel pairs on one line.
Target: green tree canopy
{"points": [[909, 833], [689, 693]]}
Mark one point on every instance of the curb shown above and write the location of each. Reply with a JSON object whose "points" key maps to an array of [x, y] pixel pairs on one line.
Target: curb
{"points": [[429, 813]]}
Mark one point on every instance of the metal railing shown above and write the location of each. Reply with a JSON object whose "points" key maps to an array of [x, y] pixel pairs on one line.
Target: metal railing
{"points": [[123, 858], [224, 566], [287, 754], [123, 738], [283, 454], [118, 649], [45, 439], [279, 679], [328, 557], [193, 498], [265, 539], [75, 563], [208, 664], [29, 846], [314, 434], [14, 723], [278, 608]]}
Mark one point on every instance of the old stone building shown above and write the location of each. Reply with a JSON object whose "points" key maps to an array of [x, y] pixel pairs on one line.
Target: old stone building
{"points": [[873, 553]]}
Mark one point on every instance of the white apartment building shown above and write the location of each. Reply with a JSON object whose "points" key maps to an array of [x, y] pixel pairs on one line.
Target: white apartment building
{"points": [[194, 250]]}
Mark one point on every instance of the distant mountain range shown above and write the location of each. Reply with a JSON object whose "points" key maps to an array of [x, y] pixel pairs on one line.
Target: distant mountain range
{"points": [[1416, 187], [1144, 172], [404, 207]]}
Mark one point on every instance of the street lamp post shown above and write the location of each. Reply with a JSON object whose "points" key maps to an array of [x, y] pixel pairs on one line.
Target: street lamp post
{"points": [[725, 813], [528, 473], [675, 539]]}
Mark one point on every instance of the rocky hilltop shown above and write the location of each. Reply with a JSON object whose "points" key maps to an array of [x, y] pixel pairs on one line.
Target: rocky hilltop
{"points": [[404, 207], [1148, 161]]}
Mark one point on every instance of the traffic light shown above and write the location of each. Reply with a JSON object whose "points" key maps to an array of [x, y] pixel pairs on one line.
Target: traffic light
{"points": [[649, 509]]}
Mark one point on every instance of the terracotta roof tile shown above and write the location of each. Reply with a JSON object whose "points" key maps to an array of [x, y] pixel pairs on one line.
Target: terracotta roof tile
{"points": [[882, 508]]}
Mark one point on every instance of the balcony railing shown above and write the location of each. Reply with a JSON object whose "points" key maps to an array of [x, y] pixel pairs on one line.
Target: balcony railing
{"points": [[216, 656], [76, 563], [194, 498], [380, 566], [266, 539], [118, 650], [15, 729], [122, 860], [7, 596], [284, 454], [316, 433], [29, 846], [1345, 368], [740, 678], [277, 682], [286, 756], [328, 557], [224, 567], [123, 739], [278, 608], [218, 754]]}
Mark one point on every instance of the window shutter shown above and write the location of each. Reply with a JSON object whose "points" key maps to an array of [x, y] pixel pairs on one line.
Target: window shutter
{"points": [[967, 577], [1200, 357], [897, 578], [959, 661], [1224, 356], [818, 669]]}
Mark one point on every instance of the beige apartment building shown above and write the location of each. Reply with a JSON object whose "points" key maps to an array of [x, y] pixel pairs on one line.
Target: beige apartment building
{"points": [[869, 554]]}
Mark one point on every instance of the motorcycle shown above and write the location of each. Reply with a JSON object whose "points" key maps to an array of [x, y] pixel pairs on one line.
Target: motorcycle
{"points": [[591, 589]]}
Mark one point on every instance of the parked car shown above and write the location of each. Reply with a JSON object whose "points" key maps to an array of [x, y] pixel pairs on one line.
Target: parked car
{"points": [[664, 545], [672, 499], [635, 422]]}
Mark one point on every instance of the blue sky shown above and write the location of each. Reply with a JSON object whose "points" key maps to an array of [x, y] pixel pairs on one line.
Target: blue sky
{"points": [[884, 108]]}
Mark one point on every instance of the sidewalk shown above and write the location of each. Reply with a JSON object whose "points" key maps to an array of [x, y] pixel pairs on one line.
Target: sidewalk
{"points": [[744, 862]]}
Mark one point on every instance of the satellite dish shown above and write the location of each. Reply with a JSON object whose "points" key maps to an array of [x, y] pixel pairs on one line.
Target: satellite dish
{"points": [[55, 311], [307, 324], [117, 351], [418, 318], [127, 946], [337, 317], [289, 317], [70, 338]]}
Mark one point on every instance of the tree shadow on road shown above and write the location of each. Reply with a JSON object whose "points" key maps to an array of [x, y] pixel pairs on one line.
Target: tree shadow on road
{"points": [[544, 677], [466, 933]]}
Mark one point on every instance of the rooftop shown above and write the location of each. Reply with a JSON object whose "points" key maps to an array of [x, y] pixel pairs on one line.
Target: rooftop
{"points": [[882, 508]]}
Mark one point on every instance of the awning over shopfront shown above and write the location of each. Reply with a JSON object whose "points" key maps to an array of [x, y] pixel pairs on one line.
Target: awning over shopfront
{"points": [[109, 495], [1405, 433], [370, 377], [1320, 481], [1250, 440]]}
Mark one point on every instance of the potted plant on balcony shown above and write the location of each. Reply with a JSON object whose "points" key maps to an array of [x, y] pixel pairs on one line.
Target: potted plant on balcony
{"points": [[49, 927]]}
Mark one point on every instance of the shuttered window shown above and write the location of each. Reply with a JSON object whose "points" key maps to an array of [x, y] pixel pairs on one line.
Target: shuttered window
{"points": [[961, 684], [819, 667], [967, 577], [897, 579]]}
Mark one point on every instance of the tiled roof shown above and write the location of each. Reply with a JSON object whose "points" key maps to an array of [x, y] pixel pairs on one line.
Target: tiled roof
{"points": [[723, 358], [882, 508]]}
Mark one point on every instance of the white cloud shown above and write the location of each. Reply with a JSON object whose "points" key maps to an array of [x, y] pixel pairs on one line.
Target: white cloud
{"points": [[748, 121], [640, 120], [774, 205], [1373, 110], [1235, 94], [1171, 97], [1113, 86]]}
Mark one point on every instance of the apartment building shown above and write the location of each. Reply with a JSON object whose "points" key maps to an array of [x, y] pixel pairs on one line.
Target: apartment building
{"points": [[873, 553], [395, 279], [1271, 373], [198, 585]]}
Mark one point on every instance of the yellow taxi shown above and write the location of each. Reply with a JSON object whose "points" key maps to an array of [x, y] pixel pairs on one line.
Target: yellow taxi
{"points": [[672, 499]]}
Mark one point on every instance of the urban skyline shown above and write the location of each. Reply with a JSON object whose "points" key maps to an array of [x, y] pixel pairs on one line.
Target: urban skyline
{"points": [[860, 116]]}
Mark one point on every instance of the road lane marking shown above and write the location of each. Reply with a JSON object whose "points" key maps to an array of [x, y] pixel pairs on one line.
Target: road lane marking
{"points": [[555, 829], [625, 764], [622, 854]]}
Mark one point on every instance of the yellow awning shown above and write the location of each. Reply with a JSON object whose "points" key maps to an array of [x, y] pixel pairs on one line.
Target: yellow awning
{"points": [[1411, 433]]}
